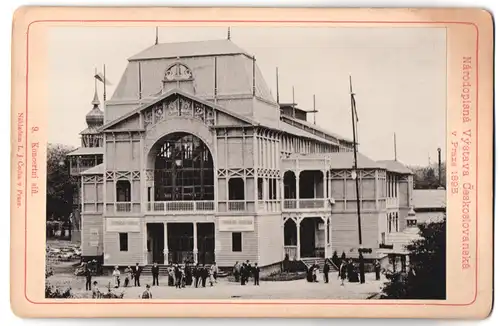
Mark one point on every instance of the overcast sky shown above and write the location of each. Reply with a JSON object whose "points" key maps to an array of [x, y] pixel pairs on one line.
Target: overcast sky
{"points": [[398, 76]]}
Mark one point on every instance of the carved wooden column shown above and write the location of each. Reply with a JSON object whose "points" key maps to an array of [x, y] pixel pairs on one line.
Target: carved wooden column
{"points": [[195, 243], [165, 245], [145, 245], [297, 185], [325, 222], [297, 223], [324, 189]]}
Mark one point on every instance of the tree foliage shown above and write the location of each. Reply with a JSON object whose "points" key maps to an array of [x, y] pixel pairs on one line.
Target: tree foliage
{"points": [[60, 187], [427, 276], [428, 177]]}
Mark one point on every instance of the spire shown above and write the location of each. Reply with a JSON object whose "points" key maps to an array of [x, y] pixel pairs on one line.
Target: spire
{"points": [[253, 75], [95, 101], [277, 86], [156, 39], [395, 148], [229, 33]]}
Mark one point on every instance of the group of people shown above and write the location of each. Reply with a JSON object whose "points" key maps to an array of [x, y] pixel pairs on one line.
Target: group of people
{"points": [[188, 275], [243, 271], [314, 270], [347, 270], [129, 274]]}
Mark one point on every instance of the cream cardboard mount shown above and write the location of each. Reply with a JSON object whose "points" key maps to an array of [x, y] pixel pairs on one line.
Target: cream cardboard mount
{"points": [[230, 163]]}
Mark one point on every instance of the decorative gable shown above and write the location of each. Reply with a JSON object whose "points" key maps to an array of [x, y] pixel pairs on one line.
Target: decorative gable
{"points": [[179, 106], [177, 103]]}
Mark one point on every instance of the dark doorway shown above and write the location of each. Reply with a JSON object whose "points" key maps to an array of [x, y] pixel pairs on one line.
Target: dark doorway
{"points": [[184, 169], [206, 243], [156, 242], [180, 242], [307, 238]]}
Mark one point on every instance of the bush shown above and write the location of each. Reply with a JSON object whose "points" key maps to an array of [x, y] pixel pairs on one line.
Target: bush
{"points": [[427, 276], [52, 292], [280, 277]]}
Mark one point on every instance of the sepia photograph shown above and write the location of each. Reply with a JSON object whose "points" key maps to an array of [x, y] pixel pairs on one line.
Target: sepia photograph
{"points": [[246, 162]]}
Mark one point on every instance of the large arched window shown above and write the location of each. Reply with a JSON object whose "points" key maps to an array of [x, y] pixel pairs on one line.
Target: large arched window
{"points": [[184, 169]]}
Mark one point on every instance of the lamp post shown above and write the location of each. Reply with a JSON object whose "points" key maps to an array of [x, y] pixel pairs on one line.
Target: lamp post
{"points": [[354, 176]]}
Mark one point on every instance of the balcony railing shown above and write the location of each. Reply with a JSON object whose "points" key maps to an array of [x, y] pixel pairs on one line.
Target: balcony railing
{"points": [[236, 205], [305, 204], [180, 206], [123, 207], [186, 207]]}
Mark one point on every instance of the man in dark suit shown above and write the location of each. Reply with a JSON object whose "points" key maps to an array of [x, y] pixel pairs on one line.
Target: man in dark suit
{"points": [[137, 274], [326, 270], [197, 272], [88, 278], [155, 270], [256, 276], [204, 275]]}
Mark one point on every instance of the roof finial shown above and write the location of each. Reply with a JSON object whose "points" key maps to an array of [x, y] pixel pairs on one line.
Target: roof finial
{"points": [[95, 101], [156, 40], [277, 87], [395, 149], [229, 33]]}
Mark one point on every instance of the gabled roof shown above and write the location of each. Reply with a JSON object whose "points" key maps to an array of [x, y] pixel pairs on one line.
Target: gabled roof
{"points": [[98, 169], [189, 49], [429, 198], [87, 151], [341, 160], [176, 92], [316, 128], [395, 166]]}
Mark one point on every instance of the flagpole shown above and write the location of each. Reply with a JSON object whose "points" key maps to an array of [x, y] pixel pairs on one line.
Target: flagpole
{"points": [[395, 149], [104, 82], [356, 180]]}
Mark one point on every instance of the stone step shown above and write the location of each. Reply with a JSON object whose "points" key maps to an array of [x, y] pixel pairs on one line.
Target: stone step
{"points": [[309, 261]]}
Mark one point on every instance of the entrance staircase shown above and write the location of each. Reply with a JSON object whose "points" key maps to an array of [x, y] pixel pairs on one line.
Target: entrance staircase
{"points": [[321, 262], [164, 268]]}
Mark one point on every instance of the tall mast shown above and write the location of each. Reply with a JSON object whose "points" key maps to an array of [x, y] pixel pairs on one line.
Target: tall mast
{"points": [[354, 117], [277, 86]]}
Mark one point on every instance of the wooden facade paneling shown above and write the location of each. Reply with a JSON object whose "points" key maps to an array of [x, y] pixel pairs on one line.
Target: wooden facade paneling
{"points": [[345, 231], [133, 255], [225, 255], [92, 235], [270, 239]]}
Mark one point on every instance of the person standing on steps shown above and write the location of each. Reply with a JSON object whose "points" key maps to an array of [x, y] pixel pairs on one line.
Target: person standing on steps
{"points": [[326, 270], [155, 270]]}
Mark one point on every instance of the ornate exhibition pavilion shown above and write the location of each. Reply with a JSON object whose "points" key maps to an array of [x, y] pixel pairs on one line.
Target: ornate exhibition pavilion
{"points": [[193, 158]]}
